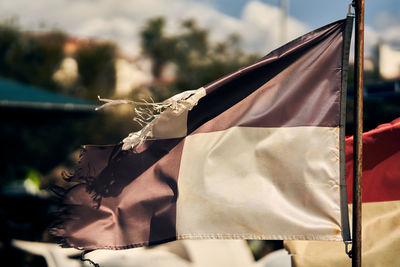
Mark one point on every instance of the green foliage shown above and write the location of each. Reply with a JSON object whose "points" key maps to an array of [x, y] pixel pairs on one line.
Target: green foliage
{"points": [[34, 176], [96, 69], [30, 58], [155, 45], [32, 181]]}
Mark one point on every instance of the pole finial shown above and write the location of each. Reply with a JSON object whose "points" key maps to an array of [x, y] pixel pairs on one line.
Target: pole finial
{"points": [[349, 13]]}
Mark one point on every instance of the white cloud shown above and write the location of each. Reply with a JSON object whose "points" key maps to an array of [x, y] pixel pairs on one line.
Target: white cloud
{"points": [[262, 26], [122, 21]]}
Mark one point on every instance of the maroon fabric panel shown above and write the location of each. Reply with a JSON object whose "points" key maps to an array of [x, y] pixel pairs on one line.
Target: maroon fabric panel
{"points": [[295, 85], [380, 163], [124, 198]]}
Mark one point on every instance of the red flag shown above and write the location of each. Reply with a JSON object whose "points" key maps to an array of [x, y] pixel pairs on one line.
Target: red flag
{"points": [[381, 164]]}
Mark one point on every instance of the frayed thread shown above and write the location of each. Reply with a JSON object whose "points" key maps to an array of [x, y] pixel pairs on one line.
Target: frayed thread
{"points": [[149, 113], [62, 215], [71, 175]]}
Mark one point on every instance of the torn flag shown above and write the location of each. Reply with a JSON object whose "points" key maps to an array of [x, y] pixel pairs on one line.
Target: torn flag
{"points": [[253, 155]]}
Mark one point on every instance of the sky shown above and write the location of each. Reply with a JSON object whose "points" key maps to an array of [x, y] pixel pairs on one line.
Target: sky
{"points": [[257, 22]]}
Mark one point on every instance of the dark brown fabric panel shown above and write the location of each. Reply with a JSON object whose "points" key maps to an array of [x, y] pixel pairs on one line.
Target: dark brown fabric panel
{"points": [[295, 85], [124, 198]]}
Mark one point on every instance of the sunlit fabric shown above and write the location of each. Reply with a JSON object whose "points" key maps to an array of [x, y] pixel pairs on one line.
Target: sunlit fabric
{"points": [[256, 156]]}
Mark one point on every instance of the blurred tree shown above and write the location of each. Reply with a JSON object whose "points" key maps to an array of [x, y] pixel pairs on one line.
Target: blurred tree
{"points": [[156, 45], [96, 68], [33, 58], [30, 58], [195, 59]]}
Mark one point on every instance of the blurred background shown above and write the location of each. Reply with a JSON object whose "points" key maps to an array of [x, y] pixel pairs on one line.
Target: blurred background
{"points": [[57, 56]]}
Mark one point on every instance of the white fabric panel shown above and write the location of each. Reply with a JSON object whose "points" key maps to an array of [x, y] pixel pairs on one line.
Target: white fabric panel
{"points": [[172, 122], [170, 125], [260, 183]]}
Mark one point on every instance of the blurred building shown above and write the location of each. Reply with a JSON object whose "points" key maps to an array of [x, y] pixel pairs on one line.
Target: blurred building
{"points": [[389, 61], [131, 72]]}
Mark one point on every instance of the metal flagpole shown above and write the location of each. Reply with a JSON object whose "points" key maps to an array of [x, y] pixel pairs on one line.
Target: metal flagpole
{"points": [[358, 120]]}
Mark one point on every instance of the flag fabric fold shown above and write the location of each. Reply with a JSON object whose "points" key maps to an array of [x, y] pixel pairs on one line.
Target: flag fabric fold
{"points": [[256, 155]]}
